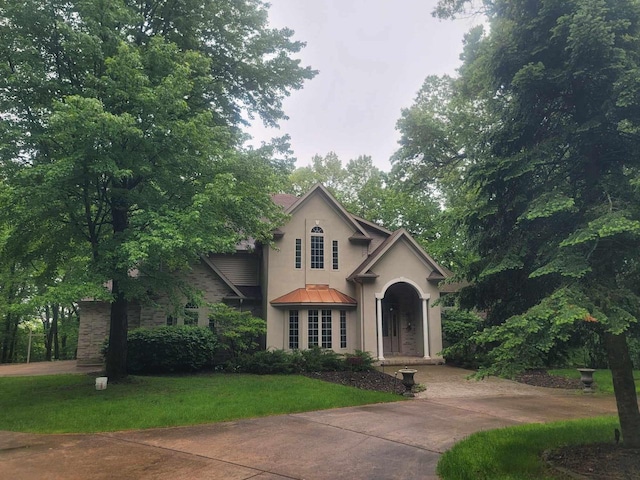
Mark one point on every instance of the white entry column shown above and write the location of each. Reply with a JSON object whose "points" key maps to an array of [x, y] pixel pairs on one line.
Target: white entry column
{"points": [[379, 297], [425, 325]]}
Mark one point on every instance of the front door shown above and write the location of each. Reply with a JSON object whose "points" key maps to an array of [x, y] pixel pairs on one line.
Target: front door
{"points": [[391, 332]]}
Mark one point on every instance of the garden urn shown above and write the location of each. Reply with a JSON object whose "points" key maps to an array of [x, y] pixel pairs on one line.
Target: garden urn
{"points": [[586, 377], [407, 380]]}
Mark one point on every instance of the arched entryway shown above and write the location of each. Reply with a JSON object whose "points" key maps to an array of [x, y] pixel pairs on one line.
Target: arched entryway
{"points": [[402, 320]]}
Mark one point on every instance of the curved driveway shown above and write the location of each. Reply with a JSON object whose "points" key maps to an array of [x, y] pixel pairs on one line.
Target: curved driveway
{"points": [[401, 440]]}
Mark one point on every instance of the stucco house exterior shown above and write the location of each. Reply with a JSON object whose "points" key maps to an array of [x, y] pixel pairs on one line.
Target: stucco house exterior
{"points": [[330, 279]]}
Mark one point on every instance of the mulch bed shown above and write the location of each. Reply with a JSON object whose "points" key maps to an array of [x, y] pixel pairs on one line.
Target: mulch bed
{"points": [[371, 380], [540, 378], [598, 461]]}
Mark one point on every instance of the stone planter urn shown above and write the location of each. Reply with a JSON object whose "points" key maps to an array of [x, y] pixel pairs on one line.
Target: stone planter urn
{"points": [[586, 377], [408, 381]]}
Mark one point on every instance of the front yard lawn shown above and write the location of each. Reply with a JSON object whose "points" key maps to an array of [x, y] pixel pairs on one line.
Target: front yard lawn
{"points": [[70, 403], [515, 453]]}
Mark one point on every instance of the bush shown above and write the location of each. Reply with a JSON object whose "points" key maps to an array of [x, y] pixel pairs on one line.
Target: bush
{"points": [[299, 361], [264, 362], [317, 359], [170, 349], [458, 328], [238, 332], [359, 362]]}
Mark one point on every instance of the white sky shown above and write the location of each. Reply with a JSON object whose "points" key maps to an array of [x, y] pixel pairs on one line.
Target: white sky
{"points": [[372, 57]]}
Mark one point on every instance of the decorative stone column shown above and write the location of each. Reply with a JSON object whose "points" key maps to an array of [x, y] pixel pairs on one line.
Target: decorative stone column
{"points": [[425, 325], [379, 298]]}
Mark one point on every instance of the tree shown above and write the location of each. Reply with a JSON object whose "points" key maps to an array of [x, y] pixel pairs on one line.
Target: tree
{"points": [[437, 145], [326, 170], [122, 134], [556, 220]]}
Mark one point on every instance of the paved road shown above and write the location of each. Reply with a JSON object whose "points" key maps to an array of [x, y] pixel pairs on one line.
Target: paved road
{"points": [[401, 440]]}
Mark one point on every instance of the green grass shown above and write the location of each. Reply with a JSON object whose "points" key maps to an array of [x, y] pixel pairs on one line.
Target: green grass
{"points": [[514, 453], [70, 403], [602, 378]]}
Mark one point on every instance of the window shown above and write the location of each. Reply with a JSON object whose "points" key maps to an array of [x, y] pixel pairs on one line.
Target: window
{"points": [[317, 247], [171, 321], [335, 254], [326, 328], [343, 329], [313, 328], [293, 330], [298, 253], [212, 325], [191, 314]]}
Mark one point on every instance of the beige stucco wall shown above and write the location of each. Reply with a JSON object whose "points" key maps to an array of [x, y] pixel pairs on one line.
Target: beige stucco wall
{"points": [[283, 277], [402, 264]]}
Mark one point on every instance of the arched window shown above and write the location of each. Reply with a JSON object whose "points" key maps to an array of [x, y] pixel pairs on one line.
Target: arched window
{"points": [[317, 247]]}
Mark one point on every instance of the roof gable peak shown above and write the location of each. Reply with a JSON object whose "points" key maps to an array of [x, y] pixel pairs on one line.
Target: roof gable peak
{"points": [[320, 190]]}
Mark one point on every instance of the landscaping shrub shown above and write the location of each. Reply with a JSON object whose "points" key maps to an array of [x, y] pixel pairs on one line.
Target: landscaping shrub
{"points": [[317, 359], [299, 361], [458, 328], [359, 361], [264, 362], [238, 332], [170, 349]]}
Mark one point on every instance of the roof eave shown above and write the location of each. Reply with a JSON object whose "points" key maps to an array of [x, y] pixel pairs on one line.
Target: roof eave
{"points": [[314, 304]]}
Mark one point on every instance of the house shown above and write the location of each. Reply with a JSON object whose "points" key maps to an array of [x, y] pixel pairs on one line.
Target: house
{"points": [[330, 279]]}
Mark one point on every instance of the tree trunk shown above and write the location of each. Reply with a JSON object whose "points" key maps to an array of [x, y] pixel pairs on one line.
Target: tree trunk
{"points": [[117, 352], [46, 323], [6, 340], [624, 388], [119, 324], [54, 332], [13, 347]]}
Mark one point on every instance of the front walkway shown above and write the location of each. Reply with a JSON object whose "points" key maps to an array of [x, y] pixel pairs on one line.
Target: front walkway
{"points": [[401, 440]]}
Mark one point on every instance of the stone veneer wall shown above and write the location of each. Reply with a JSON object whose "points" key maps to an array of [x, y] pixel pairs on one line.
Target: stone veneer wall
{"points": [[200, 278], [94, 329], [94, 316]]}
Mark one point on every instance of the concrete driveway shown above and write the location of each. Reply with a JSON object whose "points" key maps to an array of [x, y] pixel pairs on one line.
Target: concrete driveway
{"points": [[401, 440]]}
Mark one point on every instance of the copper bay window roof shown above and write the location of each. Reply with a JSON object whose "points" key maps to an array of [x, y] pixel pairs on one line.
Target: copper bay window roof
{"points": [[315, 295]]}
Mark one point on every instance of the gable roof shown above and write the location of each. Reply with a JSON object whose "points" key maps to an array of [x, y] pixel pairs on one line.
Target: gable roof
{"points": [[363, 270], [313, 294], [374, 226], [284, 199], [318, 189], [207, 261]]}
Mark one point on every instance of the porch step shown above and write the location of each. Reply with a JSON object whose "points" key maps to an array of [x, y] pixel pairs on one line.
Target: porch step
{"points": [[405, 360]]}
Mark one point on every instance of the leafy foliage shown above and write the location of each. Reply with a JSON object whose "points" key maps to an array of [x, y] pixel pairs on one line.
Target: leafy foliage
{"points": [[300, 361], [552, 175], [459, 328], [238, 332], [121, 140], [170, 349]]}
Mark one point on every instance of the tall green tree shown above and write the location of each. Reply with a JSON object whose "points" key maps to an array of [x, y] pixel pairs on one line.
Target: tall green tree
{"points": [[122, 134], [555, 171]]}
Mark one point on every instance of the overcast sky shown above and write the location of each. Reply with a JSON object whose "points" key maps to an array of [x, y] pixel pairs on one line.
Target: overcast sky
{"points": [[372, 57]]}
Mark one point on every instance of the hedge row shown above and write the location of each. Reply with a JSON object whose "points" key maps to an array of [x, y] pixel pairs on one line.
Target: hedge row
{"points": [[299, 361]]}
